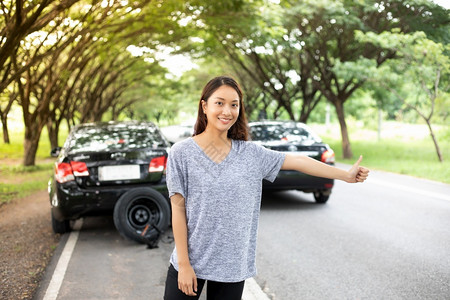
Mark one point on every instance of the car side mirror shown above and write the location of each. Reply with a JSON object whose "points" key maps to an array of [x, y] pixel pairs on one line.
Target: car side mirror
{"points": [[55, 152]]}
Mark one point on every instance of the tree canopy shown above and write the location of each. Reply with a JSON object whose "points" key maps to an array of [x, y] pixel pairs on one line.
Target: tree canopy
{"points": [[84, 61]]}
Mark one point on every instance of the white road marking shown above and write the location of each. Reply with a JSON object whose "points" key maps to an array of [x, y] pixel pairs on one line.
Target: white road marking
{"points": [[252, 291], [411, 189], [63, 262]]}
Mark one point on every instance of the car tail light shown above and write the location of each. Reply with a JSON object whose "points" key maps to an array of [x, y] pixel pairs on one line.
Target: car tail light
{"points": [[328, 156], [65, 172], [157, 164], [79, 168]]}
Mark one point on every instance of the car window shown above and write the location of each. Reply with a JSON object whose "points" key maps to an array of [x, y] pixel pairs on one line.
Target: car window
{"points": [[115, 137], [277, 132]]}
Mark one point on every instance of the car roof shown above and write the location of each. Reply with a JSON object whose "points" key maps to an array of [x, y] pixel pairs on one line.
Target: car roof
{"points": [[277, 122], [284, 123], [113, 123]]}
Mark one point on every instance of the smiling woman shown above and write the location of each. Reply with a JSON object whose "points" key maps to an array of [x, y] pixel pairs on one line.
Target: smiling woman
{"points": [[222, 108], [214, 181], [221, 100]]}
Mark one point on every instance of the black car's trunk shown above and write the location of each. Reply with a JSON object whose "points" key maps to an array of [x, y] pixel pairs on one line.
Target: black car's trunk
{"points": [[313, 151], [119, 167]]}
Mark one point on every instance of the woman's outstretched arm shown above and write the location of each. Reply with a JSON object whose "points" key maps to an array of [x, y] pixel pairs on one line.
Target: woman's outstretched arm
{"points": [[187, 280], [313, 167]]}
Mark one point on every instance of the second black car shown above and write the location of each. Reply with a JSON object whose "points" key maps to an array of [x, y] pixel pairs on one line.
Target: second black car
{"points": [[296, 138]]}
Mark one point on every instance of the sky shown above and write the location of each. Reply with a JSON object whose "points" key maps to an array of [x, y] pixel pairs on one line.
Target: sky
{"points": [[444, 3]]}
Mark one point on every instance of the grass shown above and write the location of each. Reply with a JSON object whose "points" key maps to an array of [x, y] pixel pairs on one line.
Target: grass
{"points": [[414, 158], [410, 153], [14, 150], [17, 181]]}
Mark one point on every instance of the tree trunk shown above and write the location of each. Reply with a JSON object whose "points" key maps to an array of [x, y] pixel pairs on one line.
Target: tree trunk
{"points": [[114, 113], [433, 137], [346, 148], [380, 118], [30, 145], [69, 123], [53, 131], [310, 102], [290, 112], [303, 118], [5, 129], [97, 117]]}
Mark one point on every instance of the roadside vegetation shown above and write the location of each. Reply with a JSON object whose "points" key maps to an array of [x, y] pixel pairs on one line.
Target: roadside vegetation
{"points": [[68, 62], [409, 154], [77, 61], [16, 180], [401, 153], [415, 158]]}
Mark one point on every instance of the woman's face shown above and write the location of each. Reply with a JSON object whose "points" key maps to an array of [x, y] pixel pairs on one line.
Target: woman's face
{"points": [[222, 108]]}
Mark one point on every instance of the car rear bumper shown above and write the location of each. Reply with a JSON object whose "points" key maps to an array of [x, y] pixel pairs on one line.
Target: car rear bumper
{"points": [[294, 180], [70, 202]]}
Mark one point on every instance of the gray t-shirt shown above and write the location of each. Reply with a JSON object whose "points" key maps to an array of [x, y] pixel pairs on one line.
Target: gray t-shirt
{"points": [[222, 205]]}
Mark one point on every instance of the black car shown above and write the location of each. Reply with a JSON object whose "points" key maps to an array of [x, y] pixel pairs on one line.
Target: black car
{"points": [[298, 138], [113, 168]]}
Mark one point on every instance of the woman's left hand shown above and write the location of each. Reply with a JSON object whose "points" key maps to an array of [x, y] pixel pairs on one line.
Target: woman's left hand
{"points": [[358, 173]]}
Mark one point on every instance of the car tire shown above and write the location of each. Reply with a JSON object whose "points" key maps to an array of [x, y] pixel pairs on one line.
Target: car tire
{"points": [[138, 208], [321, 197], [60, 227]]}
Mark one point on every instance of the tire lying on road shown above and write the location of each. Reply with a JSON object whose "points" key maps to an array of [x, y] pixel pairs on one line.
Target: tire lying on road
{"points": [[139, 208]]}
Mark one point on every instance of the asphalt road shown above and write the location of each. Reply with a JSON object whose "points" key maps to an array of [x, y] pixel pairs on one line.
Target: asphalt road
{"points": [[388, 238]]}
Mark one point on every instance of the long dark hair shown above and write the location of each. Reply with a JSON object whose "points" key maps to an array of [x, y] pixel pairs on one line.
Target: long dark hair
{"points": [[239, 130]]}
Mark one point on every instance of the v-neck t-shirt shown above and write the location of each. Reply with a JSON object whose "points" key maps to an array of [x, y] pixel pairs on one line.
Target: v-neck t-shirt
{"points": [[222, 205]]}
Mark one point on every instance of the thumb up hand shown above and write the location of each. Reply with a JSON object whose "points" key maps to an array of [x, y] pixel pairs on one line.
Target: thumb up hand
{"points": [[358, 173]]}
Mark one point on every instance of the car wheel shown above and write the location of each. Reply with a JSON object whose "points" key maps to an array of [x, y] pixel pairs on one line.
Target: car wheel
{"points": [[140, 208], [321, 197], [60, 227]]}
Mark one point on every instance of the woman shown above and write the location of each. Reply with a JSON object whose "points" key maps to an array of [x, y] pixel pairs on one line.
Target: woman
{"points": [[215, 183]]}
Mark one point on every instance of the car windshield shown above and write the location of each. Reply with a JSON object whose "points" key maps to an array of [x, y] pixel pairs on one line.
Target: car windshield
{"points": [[282, 132], [115, 137]]}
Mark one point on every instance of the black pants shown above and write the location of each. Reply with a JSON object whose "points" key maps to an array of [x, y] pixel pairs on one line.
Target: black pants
{"points": [[215, 291]]}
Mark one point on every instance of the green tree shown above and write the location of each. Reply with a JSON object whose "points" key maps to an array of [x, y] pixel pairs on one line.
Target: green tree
{"points": [[78, 65], [425, 64], [18, 20], [328, 31], [261, 51], [306, 40]]}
